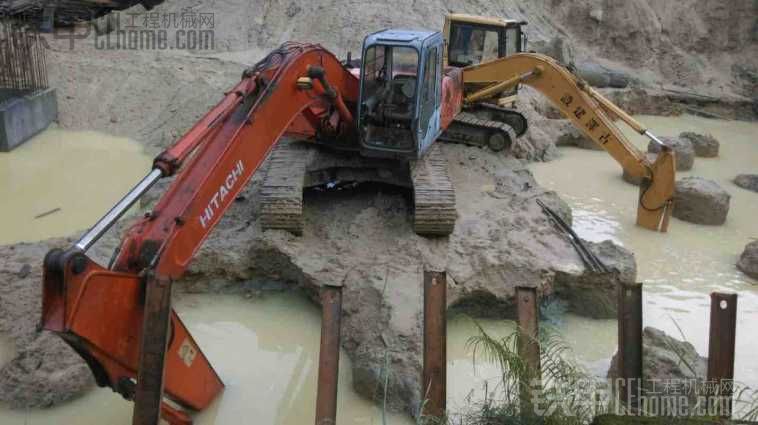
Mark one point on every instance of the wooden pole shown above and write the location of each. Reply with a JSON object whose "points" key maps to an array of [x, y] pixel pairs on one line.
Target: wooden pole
{"points": [[528, 343], [630, 343], [329, 355], [434, 378], [721, 343]]}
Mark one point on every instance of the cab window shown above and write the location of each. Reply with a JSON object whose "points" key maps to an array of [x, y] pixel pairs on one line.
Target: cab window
{"points": [[471, 45], [512, 41], [429, 89], [374, 64]]}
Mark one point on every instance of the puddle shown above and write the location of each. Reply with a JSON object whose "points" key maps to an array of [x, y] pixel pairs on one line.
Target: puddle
{"points": [[77, 174], [680, 268]]}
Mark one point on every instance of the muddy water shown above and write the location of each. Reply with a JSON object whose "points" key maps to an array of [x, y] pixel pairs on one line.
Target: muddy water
{"points": [[682, 267], [79, 173], [266, 352]]}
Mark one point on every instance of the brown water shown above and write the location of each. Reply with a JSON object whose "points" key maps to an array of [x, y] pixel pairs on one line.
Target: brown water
{"points": [[679, 268], [266, 352], [80, 173]]}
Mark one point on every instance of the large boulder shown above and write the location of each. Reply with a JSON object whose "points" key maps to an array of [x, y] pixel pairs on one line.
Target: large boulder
{"points": [[700, 201], [685, 153], [748, 261], [704, 145], [667, 359], [593, 293], [747, 181], [600, 76]]}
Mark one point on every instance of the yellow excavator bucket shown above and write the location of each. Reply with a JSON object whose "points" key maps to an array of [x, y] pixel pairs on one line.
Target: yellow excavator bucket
{"points": [[657, 194]]}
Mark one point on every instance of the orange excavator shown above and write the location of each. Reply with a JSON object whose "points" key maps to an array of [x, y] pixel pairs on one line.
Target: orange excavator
{"points": [[394, 107]]}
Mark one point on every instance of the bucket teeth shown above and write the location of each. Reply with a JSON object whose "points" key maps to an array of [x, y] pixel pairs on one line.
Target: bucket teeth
{"points": [[282, 191], [433, 195]]}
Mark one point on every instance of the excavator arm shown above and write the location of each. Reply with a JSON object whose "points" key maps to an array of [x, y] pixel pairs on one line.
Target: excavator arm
{"points": [[118, 318], [589, 112]]}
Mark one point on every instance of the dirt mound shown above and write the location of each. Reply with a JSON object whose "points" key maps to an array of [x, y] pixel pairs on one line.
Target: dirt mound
{"points": [[45, 371], [363, 238]]}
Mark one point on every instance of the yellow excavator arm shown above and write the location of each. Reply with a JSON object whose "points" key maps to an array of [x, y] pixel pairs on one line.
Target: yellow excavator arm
{"points": [[590, 112]]}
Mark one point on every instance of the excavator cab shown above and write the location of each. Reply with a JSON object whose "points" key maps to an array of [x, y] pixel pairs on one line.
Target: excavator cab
{"points": [[472, 39], [399, 107]]}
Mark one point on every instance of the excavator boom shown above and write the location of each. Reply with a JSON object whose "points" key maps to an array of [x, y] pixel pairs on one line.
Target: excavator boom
{"points": [[587, 110], [119, 318]]}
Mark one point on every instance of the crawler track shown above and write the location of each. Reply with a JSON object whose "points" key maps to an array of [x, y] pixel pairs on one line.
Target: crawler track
{"points": [[433, 195], [486, 125], [282, 191]]}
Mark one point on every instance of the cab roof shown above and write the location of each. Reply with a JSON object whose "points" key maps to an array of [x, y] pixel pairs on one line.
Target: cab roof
{"points": [[402, 35], [484, 20]]}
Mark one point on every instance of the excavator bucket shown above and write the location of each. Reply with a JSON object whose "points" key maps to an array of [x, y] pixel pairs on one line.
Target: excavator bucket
{"points": [[657, 194], [99, 313]]}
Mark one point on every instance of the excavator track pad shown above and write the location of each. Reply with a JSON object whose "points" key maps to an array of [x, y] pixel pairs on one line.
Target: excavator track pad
{"points": [[433, 195], [486, 125], [282, 191]]}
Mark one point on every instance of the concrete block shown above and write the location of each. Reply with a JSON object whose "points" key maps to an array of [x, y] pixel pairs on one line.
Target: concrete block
{"points": [[22, 115]]}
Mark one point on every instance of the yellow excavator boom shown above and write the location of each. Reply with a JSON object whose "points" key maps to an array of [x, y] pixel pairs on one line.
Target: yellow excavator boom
{"points": [[588, 110]]}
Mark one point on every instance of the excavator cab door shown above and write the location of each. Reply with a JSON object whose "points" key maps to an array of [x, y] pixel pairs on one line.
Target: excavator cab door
{"points": [[398, 112]]}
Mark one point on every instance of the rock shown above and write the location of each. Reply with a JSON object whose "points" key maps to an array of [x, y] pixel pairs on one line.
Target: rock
{"points": [[601, 76], [748, 261], [700, 201], [747, 181], [616, 258], [574, 137], [538, 143], [594, 74], [685, 153], [704, 145], [634, 179], [593, 294], [597, 14], [557, 47], [667, 359], [618, 79]]}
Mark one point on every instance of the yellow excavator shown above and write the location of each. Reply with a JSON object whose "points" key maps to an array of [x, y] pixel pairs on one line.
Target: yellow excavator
{"points": [[491, 52]]}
